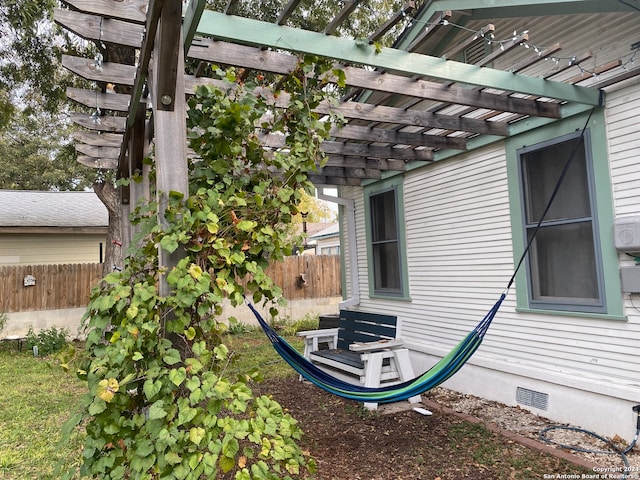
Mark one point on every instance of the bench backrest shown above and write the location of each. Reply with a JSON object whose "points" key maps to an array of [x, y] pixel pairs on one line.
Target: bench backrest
{"points": [[364, 327]]}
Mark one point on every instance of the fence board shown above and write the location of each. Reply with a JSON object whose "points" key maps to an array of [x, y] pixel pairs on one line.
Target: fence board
{"points": [[69, 286]]}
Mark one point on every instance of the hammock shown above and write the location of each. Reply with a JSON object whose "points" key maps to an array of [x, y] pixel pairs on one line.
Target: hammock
{"points": [[437, 374], [433, 377]]}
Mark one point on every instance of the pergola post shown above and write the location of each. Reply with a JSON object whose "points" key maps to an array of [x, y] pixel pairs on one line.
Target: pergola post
{"points": [[169, 116]]}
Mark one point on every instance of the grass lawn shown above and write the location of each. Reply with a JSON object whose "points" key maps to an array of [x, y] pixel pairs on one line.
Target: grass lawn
{"points": [[37, 397], [35, 400]]}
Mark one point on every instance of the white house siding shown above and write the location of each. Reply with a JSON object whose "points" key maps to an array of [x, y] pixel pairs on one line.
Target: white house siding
{"points": [[460, 258], [43, 249]]}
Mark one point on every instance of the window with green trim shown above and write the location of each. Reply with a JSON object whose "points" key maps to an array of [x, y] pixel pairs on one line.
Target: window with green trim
{"points": [[385, 240], [573, 266], [563, 266]]}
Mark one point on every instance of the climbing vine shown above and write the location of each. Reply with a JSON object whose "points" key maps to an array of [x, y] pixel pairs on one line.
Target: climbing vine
{"points": [[160, 404]]}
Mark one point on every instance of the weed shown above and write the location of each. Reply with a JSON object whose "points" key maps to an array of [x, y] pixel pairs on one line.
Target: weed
{"points": [[47, 341], [236, 327], [3, 320], [360, 411], [475, 438], [308, 322]]}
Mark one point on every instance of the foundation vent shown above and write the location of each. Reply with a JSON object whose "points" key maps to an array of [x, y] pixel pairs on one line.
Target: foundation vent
{"points": [[531, 398]]}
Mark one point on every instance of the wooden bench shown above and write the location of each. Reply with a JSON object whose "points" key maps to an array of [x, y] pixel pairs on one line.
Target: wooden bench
{"points": [[363, 349]]}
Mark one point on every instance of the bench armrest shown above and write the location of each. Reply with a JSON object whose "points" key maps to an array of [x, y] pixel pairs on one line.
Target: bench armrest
{"points": [[379, 345], [323, 332], [313, 339]]}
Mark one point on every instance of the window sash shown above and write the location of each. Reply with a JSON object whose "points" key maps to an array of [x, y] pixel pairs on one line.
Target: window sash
{"points": [[385, 243], [564, 265]]}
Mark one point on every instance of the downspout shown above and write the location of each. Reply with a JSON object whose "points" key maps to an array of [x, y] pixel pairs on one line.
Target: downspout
{"points": [[350, 214]]}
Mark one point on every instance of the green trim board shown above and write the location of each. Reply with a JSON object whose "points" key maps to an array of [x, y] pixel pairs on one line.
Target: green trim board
{"points": [[343, 256], [395, 183], [488, 9], [603, 200], [255, 32]]}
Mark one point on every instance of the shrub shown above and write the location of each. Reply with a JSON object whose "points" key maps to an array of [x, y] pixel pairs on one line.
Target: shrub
{"points": [[48, 340], [160, 403]]}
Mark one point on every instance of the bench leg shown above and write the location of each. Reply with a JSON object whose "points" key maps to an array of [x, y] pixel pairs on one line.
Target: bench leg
{"points": [[310, 345], [405, 370], [372, 373]]}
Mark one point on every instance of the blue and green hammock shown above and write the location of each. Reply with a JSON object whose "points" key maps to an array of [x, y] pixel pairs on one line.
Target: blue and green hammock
{"points": [[433, 377]]}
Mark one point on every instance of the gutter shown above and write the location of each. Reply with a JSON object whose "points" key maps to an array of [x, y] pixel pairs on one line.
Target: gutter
{"points": [[350, 213]]}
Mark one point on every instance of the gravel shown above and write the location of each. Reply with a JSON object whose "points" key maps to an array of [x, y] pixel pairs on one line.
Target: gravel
{"points": [[527, 424]]}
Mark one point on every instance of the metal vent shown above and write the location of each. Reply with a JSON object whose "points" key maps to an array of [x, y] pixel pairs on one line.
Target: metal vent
{"points": [[532, 398]]}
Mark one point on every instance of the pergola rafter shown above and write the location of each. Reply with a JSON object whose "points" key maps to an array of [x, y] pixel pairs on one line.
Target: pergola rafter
{"points": [[415, 108]]}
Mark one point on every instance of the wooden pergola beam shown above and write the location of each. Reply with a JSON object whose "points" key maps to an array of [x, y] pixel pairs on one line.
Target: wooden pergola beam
{"points": [[98, 151], [118, 102], [129, 10], [282, 63], [426, 32], [401, 116], [406, 8], [396, 137], [101, 123], [237, 29], [287, 11], [98, 139], [346, 10], [100, 29], [107, 72]]}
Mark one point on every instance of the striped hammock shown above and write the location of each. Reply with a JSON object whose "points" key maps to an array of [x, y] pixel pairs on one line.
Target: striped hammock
{"points": [[433, 377]]}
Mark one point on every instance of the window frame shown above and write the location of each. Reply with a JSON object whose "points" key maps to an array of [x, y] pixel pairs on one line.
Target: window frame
{"points": [[390, 185], [602, 215], [598, 306]]}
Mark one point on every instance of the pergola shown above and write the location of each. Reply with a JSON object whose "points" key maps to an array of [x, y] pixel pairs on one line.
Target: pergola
{"points": [[403, 106]]}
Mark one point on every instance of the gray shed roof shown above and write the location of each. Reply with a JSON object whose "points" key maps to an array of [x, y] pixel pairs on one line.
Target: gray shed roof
{"points": [[20, 208]]}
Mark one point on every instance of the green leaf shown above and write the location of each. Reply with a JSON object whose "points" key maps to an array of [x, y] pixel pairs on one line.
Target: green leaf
{"points": [[226, 463], [151, 388], [156, 411], [190, 333], [71, 424], [170, 244], [173, 458], [230, 446], [196, 435], [177, 376], [97, 406], [171, 356], [246, 225]]}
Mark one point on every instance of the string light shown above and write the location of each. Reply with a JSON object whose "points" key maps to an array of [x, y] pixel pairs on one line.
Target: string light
{"points": [[97, 60], [537, 49]]}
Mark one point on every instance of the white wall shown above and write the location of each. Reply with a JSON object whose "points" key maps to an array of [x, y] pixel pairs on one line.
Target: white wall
{"points": [[45, 249]]}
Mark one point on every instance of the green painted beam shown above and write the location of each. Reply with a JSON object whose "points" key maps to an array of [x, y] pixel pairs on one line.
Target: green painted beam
{"points": [[493, 9], [524, 8], [190, 22], [244, 30]]}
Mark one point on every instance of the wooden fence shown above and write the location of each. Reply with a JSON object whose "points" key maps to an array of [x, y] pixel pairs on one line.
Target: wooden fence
{"points": [[69, 286], [54, 286]]}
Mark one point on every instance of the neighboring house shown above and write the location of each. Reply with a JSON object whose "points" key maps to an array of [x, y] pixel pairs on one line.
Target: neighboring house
{"points": [[327, 241], [437, 244], [39, 228]]}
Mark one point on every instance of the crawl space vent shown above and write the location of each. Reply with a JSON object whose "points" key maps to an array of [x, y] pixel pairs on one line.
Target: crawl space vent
{"points": [[532, 398]]}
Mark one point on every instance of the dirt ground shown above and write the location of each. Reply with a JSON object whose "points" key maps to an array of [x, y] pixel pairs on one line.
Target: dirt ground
{"points": [[349, 442]]}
